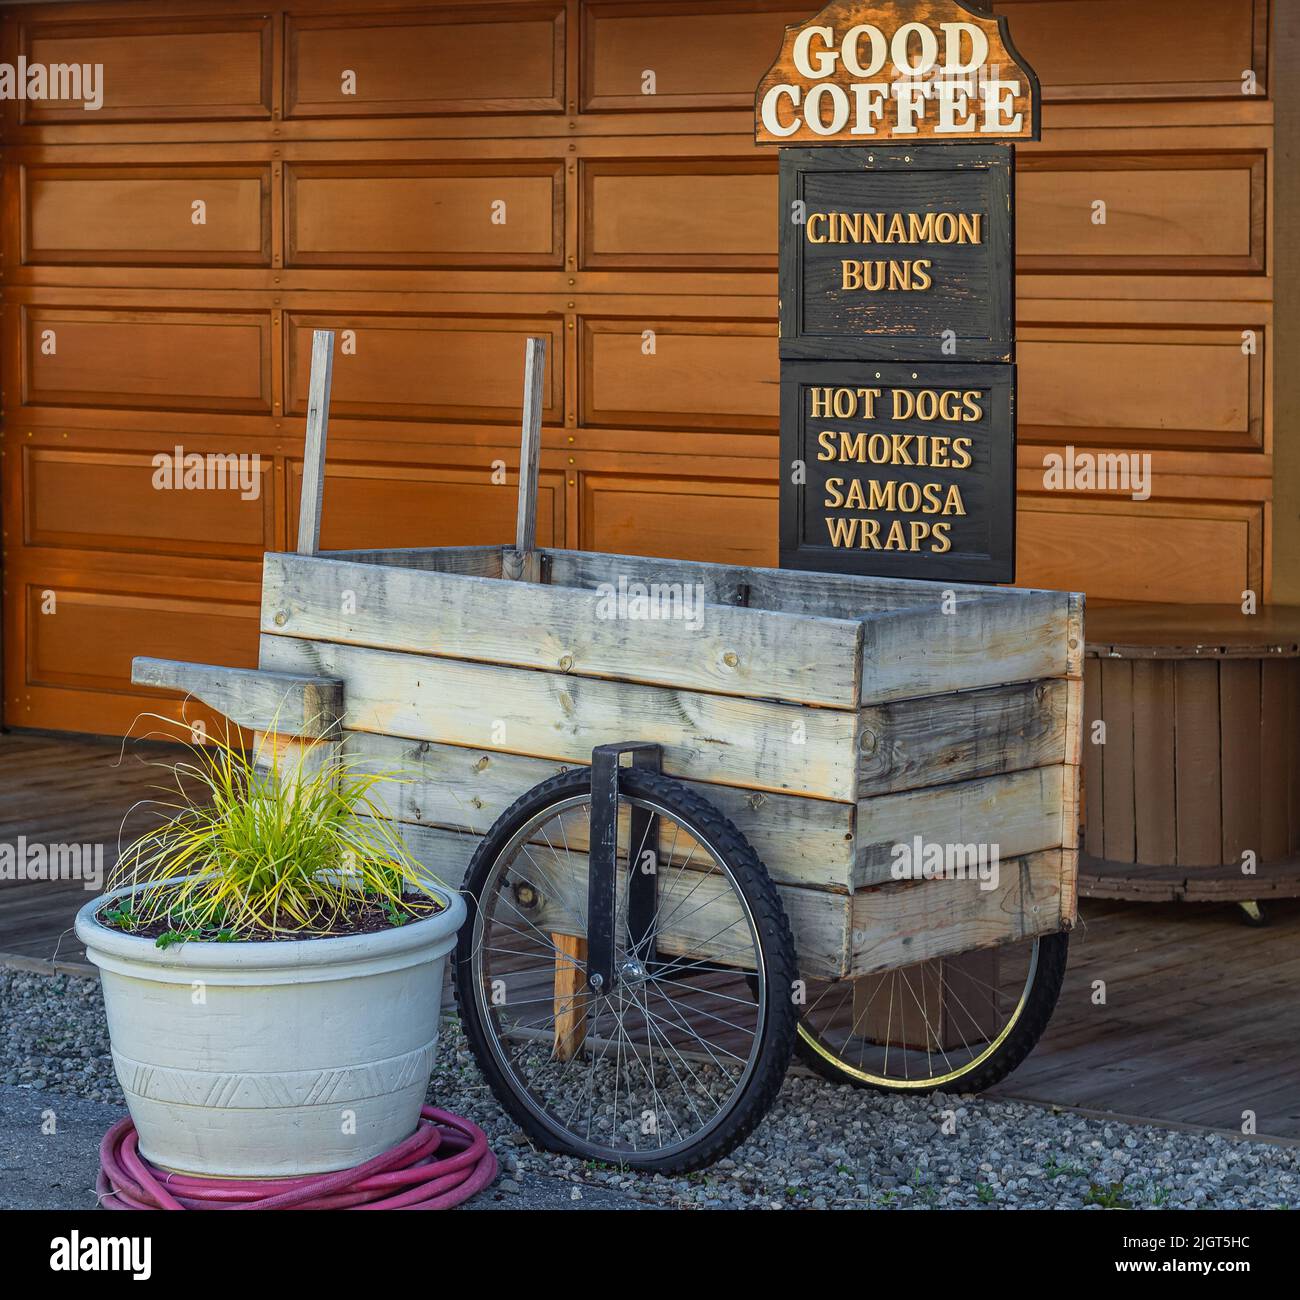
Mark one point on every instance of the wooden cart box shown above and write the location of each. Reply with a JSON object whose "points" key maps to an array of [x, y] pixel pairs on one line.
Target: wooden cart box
{"points": [[830, 717]]}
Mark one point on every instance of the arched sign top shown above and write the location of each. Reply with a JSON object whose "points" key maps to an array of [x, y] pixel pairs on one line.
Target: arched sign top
{"points": [[870, 71]]}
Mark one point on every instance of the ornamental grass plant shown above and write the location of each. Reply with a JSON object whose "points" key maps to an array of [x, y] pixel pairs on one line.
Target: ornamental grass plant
{"points": [[267, 844]]}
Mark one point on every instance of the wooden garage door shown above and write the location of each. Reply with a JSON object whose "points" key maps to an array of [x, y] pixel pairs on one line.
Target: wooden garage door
{"points": [[437, 182]]}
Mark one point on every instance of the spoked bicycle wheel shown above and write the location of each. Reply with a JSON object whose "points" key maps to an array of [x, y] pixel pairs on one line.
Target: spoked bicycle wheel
{"points": [[666, 1059], [956, 1023]]}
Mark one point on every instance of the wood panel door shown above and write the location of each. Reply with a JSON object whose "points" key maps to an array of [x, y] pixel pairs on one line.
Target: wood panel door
{"points": [[436, 182]]}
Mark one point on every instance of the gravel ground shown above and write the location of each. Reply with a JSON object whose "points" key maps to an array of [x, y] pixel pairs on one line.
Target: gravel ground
{"points": [[821, 1145]]}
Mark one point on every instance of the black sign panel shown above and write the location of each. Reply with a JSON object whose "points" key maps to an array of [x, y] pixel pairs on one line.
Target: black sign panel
{"points": [[898, 470], [898, 253]]}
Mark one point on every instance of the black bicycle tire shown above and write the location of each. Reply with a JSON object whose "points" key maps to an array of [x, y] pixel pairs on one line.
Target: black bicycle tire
{"points": [[751, 877]]}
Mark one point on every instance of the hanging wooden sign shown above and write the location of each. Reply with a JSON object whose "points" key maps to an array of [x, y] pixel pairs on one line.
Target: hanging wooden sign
{"points": [[872, 71], [893, 253], [897, 306], [898, 470]]}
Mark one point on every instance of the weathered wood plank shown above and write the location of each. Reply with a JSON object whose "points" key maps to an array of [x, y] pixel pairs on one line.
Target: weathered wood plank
{"points": [[1153, 762], [1120, 839], [818, 920], [313, 455], [1071, 801], [956, 737], [1094, 759], [523, 563], [1278, 789], [1239, 741], [930, 649], [474, 561], [1199, 784], [758, 744], [732, 651], [908, 922], [829, 595], [1018, 813], [800, 841], [295, 704], [1075, 641], [290, 760]]}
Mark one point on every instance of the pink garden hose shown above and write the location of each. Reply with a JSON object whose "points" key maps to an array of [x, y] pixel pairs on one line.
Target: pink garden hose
{"points": [[405, 1177]]}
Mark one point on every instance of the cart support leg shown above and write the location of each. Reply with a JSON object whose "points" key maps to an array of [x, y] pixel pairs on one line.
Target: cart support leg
{"points": [[570, 995]]}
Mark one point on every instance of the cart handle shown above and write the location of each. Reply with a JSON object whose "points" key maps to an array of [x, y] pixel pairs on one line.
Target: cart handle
{"points": [[285, 703]]}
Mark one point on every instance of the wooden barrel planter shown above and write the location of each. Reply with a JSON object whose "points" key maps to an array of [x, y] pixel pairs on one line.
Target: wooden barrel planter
{"points": [[1194, 794]]}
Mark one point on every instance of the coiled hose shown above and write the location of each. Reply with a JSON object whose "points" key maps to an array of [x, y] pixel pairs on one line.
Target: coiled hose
{"points": [[405, 1177]]}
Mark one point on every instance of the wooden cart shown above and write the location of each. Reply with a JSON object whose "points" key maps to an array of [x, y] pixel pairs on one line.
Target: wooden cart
{"points": [[831, 719]]}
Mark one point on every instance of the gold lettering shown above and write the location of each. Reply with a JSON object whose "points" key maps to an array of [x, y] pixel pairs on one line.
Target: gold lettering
{"points": [[894, 228], [842, 531], [852, 446], [869, 396], [898, 451], [950, 406], [921, 229]]}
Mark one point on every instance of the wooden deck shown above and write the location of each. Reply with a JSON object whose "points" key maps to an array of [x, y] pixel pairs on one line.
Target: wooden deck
{"points": [[1200, 1022], [74, 790]]}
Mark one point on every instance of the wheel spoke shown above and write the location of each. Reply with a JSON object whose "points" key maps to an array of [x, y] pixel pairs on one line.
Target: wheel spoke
{"points": [[963, 1008]]}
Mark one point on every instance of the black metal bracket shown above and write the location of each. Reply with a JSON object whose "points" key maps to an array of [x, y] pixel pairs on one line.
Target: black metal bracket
{"points": [[602, 871]]}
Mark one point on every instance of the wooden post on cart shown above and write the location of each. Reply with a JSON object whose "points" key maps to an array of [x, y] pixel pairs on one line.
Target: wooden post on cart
{"points": [[523, 564], [302, 745]]}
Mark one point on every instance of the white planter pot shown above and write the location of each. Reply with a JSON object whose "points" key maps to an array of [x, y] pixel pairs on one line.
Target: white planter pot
{"points": [[249, 1060]]}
